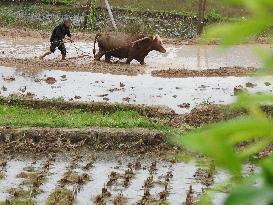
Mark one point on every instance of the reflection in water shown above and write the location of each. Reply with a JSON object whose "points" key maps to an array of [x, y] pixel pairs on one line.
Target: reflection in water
{"points": [[198, 56], [99, 174], [141, 89]]}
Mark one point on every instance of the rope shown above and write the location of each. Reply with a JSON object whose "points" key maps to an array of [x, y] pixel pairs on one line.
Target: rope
{"points": [[85, 54], [128, 44]]}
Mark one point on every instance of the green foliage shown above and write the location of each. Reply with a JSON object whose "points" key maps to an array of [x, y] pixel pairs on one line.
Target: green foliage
{"points": [[92, 15], [60, 196], [2, 176], [252, 195], [29, 8], [20, 116], [65, 2], [7, 19], [136, 25], [213, 16], [231, 144], [260, 20], [18, 202]]}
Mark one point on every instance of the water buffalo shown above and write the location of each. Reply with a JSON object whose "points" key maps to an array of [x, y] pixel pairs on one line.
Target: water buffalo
{"points": [[122, 45]]}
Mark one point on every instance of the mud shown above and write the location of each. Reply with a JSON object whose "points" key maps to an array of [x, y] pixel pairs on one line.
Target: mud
{"points": [[208, 113], [222, 72], [73, 65], [50, 140], [121, 89], [167, 181], [18, 52]]}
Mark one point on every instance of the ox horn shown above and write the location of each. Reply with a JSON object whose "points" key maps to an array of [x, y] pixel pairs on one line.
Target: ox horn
{"points": [[156, 37]]}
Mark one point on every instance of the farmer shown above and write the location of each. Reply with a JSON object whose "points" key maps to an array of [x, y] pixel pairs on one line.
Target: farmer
{"points": [[58, 36]]}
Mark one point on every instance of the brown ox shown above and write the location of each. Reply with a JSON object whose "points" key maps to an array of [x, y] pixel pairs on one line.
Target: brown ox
{"points": [[122, 45]]}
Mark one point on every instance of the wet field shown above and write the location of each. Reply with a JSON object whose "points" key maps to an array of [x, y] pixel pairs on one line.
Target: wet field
{"points": [[194, 57], [128, 177], [140, 89], [94, 178]]}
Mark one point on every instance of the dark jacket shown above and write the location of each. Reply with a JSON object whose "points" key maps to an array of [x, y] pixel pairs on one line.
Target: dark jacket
{"points": [[59, 33]]}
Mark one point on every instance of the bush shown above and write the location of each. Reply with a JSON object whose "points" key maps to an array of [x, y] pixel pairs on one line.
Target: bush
{"points": [[7, 19], [233, 143], [213, 16]]}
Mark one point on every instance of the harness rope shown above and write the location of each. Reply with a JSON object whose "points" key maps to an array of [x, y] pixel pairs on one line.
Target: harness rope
{"points": [[85, 54]]}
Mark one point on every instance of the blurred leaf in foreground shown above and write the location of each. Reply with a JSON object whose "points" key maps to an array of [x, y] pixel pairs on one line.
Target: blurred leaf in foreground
{"points": [[233, 142]]}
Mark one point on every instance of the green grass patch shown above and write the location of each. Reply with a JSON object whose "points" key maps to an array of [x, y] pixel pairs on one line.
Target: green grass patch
{"points": [[7, 19], [21, 116], [61, 196], [18, 202], [2, 176]]}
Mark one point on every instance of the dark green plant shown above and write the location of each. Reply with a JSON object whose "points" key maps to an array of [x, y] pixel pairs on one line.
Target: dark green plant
{"points": [[213, 16], [7, 19], [232, 143], [92, 15]]}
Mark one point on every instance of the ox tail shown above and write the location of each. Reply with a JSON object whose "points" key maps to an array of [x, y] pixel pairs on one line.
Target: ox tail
{"points": [[96, 39]]}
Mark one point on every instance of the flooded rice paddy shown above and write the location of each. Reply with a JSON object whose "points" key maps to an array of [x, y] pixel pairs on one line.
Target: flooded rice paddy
{"points": [[140, 89], [129, 177], [93, 179], [137, 89], [194, 57]]}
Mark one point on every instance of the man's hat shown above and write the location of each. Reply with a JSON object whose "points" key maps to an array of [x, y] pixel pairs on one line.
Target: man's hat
{"points": [[67, 19]]}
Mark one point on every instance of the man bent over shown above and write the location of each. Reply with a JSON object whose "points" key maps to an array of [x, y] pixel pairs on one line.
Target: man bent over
{"points": [[57, 38]]}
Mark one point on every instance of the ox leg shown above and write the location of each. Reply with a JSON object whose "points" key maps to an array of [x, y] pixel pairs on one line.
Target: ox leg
{"points": [[141, 61], [107, 58], [129, 60], [99, 55]]}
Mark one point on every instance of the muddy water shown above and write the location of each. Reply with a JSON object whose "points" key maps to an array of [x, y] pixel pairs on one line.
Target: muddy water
{"points": [[186, 57], [141, 89], [199, 57], [99, 174]]}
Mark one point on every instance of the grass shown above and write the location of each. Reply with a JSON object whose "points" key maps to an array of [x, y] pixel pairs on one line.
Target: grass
{"points": [[60, 196], [216, 12], [18, 202], [21, 116], [2, 176], [177, 6], [7, 19]]}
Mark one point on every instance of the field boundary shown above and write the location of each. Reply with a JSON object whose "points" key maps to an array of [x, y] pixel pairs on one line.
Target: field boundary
{"points": [[100, 107], [45, 140]]}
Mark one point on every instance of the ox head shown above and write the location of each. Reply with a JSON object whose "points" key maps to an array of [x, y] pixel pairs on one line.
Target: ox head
{"points": [[157, 44]]}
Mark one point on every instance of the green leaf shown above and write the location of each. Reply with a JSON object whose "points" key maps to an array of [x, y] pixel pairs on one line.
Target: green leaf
{"points": [[218, 141], [249, 195], [267, 171], [246, 100], [239, 32]]}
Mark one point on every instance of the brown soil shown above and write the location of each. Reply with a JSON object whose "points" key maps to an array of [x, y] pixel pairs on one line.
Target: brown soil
{"points": [[134, 141], [206, 113], [222, 72], [17, 33], [118, 68], [209, 113], [72, 65], [51, 140]]}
